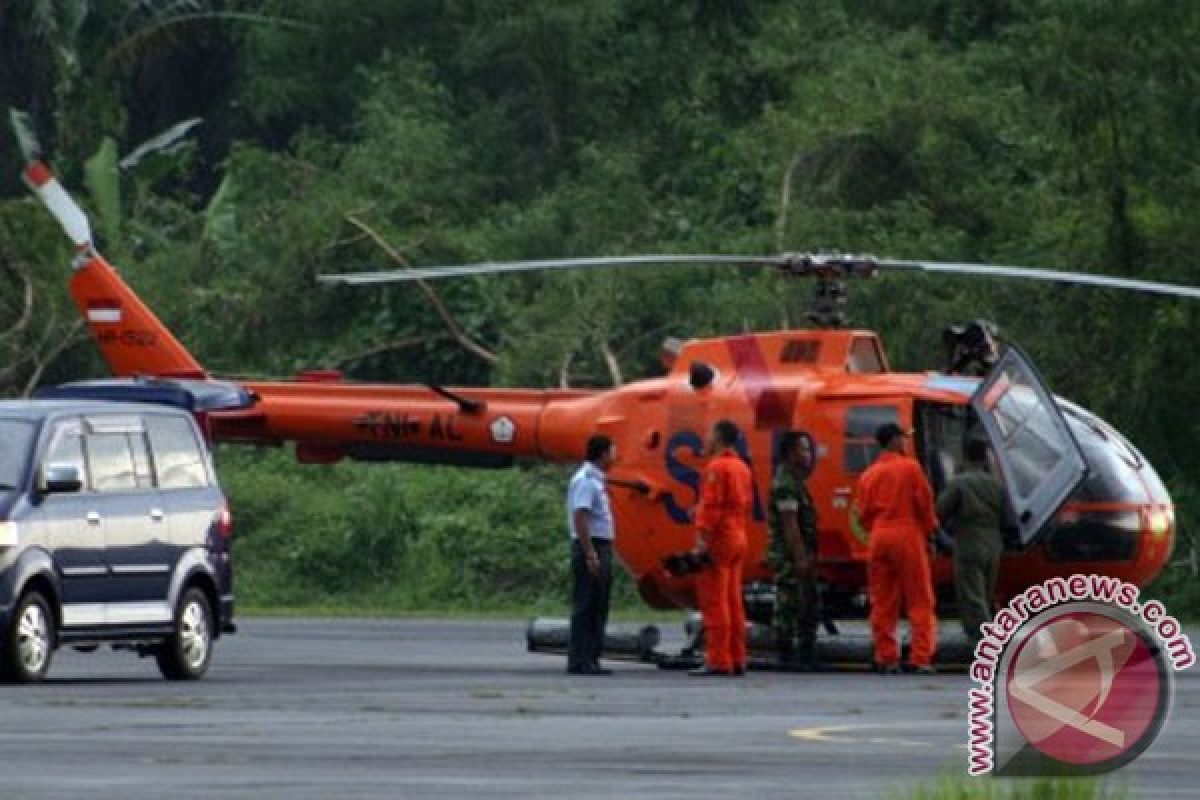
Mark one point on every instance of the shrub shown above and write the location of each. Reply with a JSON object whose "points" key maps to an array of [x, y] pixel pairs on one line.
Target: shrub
{"points": [[397, 536]]}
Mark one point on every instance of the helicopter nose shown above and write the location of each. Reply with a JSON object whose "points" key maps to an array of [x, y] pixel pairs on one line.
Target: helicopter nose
{"points": [[1092, 533], [1121, 512]]}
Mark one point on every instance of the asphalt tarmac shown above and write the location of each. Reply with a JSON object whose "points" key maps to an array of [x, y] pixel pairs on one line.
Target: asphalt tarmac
{"points": [[458, 709]]}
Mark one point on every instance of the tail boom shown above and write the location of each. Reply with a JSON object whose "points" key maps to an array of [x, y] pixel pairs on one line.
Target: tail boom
{"points": [[401, 423], [132, 340]]}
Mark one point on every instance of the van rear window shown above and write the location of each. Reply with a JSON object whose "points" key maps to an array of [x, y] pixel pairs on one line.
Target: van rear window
{"points": [[178, 462], [110, 462]]}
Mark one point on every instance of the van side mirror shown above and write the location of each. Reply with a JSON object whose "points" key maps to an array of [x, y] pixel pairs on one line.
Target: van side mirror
{"points": [[61, 479]]}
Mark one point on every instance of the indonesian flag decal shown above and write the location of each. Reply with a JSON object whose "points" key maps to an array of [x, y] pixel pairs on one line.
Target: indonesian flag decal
{"points": [[106, 309]]}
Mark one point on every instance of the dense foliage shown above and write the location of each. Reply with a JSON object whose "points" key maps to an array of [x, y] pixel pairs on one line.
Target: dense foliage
{"points": [[1060, 133], [395, 537]]}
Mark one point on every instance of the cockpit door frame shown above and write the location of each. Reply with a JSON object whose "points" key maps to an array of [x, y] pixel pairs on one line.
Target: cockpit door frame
{"points": [[1033, 505]]}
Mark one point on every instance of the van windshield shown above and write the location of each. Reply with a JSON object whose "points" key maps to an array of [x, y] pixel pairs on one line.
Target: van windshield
{"points": [[16, 439]]}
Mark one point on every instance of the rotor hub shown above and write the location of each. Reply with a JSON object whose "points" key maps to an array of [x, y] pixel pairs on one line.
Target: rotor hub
{"points": [[828, 266], [827, 309]]}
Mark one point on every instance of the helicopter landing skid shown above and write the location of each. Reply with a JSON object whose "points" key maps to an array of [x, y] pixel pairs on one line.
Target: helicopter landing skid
{"points": [[847, 651]]}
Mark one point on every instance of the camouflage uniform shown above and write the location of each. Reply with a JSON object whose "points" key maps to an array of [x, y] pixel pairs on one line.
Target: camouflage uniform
{"points": [[972, 507], [796, 599]]}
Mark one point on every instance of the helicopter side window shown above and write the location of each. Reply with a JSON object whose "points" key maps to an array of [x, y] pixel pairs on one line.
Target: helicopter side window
{"points": [[865, 357], [941, 433], [861, 423]]}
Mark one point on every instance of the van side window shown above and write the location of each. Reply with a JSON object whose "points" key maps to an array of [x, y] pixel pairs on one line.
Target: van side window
{"points": [[141, 460], [66, 448], [110, 462], [178, 461]]}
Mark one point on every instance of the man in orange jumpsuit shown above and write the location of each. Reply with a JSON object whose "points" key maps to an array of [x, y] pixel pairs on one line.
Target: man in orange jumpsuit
{"points": [[895, 504], [726, 500]]}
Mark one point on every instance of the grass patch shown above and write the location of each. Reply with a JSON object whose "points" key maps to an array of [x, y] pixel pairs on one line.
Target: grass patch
{"points": [[966, 788]]}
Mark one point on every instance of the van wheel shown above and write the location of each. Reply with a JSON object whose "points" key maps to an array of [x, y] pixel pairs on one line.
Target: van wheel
{"points": [[30, 642], [186, 654]]}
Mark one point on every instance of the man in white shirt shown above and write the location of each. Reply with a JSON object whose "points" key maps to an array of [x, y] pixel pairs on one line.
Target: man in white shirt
{"points": [[589, 519]]}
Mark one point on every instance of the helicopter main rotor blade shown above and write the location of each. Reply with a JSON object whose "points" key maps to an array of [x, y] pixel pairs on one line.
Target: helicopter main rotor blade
{"points": [[1051, 275], [504, 267], [832, 266]]}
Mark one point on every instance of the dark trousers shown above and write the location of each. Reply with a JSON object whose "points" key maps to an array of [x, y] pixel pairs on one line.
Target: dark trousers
{"points": [[589, 604], [975, 568]]}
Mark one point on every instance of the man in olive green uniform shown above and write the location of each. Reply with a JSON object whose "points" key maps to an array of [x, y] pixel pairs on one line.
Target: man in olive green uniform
{"points": [[972, 507], [792, 554]]}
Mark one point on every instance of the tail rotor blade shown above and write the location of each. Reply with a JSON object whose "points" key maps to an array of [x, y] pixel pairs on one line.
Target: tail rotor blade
{"points": [[41, 181], [27, 140]]}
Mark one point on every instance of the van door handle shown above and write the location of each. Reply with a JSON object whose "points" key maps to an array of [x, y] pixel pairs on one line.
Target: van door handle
{"points": [[156, 514], [93, 518]]}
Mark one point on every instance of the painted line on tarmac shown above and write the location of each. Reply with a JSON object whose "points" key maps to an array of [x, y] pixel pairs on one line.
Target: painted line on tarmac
{"points": [[861, 734]]}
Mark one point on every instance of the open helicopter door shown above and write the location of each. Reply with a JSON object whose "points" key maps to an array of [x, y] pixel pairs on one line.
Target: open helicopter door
{"points": [[1039, 459]]}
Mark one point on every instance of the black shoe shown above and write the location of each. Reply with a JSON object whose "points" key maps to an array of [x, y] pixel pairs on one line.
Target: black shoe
{"points": [[704, 672], [739, 672], [885, 669]]}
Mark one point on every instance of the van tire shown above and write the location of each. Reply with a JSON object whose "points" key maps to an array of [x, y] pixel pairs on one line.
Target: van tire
{"points": [[29, 640], [186, 654]]}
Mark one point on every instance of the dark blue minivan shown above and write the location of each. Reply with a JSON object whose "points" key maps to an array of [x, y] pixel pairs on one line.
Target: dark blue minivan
{"points": [[113, 530]]}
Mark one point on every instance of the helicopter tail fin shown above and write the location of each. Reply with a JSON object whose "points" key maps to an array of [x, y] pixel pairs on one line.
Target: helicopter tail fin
{"points": [[132, 340]]}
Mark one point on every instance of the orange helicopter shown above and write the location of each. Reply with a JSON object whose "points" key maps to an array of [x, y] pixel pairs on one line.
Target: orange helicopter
{"points": [[1084, 499]]}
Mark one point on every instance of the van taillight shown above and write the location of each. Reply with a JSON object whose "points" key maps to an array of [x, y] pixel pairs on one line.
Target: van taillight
{"points": [[224, 522]]}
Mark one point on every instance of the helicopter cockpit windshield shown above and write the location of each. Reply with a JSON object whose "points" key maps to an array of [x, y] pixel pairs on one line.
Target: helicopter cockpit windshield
{"points": [[1035, 450], [1117, 472]]}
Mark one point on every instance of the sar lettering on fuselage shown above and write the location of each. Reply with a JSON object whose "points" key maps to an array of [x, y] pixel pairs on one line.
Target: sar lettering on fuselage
{"points": [[387, 425], [691, 442], [392, 426], [444, 429], [128, 338]]}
